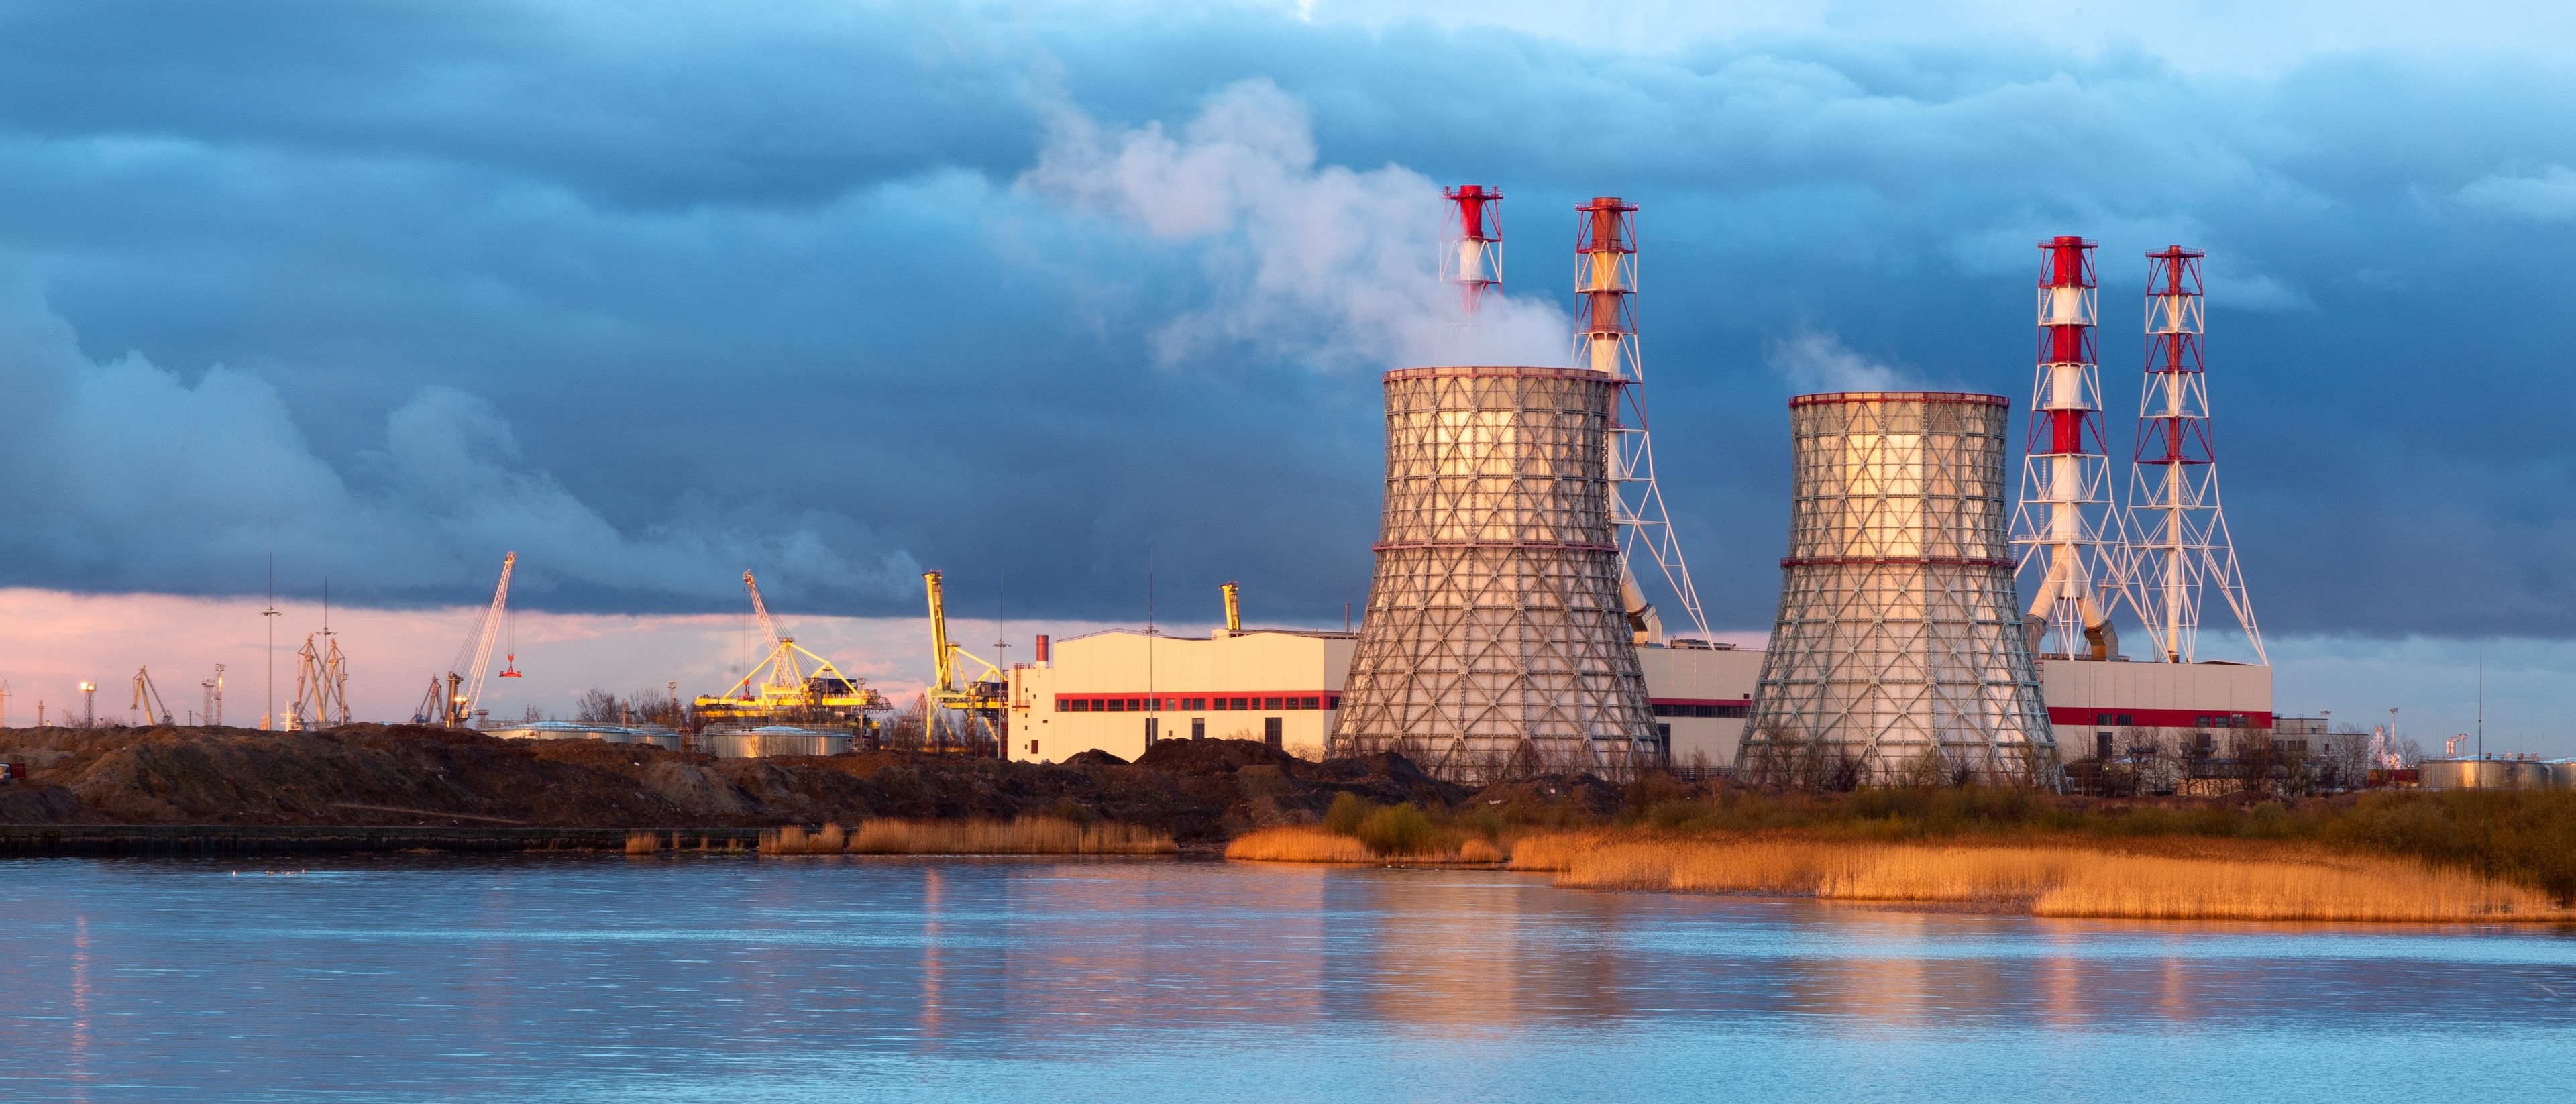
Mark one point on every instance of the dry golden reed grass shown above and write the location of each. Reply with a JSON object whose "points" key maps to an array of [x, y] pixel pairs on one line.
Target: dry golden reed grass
{"points": [[1024, 836], [1297, 845], [2046, 881], [1306, 843]]}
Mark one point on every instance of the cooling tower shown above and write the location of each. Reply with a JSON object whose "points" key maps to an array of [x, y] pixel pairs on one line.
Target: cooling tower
{"points": [[1496, 643], [1898, 656]]}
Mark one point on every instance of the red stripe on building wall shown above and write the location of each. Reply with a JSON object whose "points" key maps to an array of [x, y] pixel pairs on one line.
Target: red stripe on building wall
{"points": [[2157, 718], [1208, 701], [1699, 701]]}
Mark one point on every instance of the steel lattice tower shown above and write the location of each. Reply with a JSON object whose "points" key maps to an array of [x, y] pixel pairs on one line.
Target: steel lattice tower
{"points": [[2178, 539], [1496, 644], [1605, 278], [1899, 655], [2067, 526]]}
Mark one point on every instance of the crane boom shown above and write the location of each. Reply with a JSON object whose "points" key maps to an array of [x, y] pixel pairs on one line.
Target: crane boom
{"points": [[147, 698], [942, 664], [768, 628], [466, 687]]}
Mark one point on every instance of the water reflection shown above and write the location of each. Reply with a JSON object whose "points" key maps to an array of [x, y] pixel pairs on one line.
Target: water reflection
{"points": [[571, 977]]}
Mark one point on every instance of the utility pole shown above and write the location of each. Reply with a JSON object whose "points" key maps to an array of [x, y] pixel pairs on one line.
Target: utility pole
{"points": [[268, 706]]}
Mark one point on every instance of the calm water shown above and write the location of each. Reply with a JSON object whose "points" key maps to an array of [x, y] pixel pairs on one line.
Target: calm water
{"points": [[825, 979]]}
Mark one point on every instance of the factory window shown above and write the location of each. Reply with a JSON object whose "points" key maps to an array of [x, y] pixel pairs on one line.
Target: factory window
{"points": [[1198, 728], [1243, 703], [2101, 718], [1140, 704], [2200, 722], [1664, 733], [1269, 703], [1194, 703], [2101, 745], [1074, 705], [1312, 703], [2124, 719], [1733, 711], [1171, 703], [1270, 731], [1033, 749], [1332, 701], [1152, 731]]}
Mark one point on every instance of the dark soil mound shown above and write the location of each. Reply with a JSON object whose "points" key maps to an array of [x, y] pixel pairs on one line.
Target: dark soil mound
{"points": [[1387, 777], [1094, 757], [1212, 756]]}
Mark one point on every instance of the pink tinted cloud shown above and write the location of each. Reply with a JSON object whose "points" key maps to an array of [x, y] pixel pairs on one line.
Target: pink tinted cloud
{"points": [[58, 639]]}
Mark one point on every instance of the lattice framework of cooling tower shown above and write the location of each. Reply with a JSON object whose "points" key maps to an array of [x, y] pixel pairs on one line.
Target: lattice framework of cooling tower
{"points": [[1899, 654], [1496, 643]]}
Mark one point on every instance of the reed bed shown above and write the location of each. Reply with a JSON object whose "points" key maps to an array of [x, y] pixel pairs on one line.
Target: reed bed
{"points": [[1307, 843], [1298, 845], [2046, 881], [1023, 836]]}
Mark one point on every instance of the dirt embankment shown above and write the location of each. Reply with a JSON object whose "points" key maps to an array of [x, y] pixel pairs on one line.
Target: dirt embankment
{"points": [[404, 774]]}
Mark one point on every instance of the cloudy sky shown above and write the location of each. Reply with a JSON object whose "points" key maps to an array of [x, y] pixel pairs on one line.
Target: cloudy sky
{"points": [[838, 291]]}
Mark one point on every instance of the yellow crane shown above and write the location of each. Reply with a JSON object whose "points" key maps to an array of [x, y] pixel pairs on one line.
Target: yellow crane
{"points": [[1233, 607], [984, 699], [147, 698], [789, 691]]}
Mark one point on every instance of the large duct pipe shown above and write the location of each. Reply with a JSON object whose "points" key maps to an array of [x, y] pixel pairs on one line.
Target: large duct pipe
{"points": [[1497, 643], [1899, 655]]}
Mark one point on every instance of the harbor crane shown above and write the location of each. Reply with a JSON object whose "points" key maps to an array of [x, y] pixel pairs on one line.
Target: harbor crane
{"points": [[464, 689], [147, 698], [786, 688], [984, 699]]}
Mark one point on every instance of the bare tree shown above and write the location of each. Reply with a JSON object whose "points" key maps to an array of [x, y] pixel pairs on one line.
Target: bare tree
{"points": [[2253, 756], [597, 706]]}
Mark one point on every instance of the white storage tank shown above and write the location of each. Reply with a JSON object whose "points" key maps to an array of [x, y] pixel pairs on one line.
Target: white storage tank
{"points": [[2491, 774], [583, 730], [773, 740]]}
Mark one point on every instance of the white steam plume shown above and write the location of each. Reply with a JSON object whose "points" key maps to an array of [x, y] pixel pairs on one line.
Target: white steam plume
{"points": [[1814, 361], [1325, 264]]}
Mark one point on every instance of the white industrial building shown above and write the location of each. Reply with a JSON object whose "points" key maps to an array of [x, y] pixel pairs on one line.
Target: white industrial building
{"points": [[1115, 691]]}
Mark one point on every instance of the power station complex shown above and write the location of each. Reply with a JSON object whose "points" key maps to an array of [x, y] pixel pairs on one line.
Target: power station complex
{"points": [[1928, 628]]}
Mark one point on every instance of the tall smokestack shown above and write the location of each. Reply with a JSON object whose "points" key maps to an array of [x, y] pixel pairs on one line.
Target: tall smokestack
{"points": [[1473, 257], [1605, 279], [2067, 526], [2177, 531]]}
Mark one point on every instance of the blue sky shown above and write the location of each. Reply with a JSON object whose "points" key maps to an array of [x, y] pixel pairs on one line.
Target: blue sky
{"points": [[838, 291]]}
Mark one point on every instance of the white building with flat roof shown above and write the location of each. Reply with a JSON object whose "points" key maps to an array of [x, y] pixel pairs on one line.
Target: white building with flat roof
{"points": [[1118, 690]]}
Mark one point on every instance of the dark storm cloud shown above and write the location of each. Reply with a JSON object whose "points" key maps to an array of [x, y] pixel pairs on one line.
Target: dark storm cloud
{"points": [[653, 293]]}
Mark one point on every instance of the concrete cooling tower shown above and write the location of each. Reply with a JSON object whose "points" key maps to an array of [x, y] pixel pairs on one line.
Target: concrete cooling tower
{"points": [[1496, 642], [1899, 655]]}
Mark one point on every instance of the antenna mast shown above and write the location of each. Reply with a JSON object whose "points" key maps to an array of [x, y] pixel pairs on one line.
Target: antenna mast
{"points": [[2178, 534], [2067, 526], [1605, 277]]}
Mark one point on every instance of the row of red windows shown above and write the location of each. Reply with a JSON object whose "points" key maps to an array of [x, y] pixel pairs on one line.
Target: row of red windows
{"points": [[1065, 703]]}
